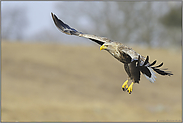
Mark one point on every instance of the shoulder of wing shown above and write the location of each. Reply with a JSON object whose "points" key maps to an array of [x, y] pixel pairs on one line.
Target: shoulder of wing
{"points": [[134, 55]]}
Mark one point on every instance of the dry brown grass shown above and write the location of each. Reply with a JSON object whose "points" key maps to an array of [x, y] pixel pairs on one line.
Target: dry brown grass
{"points": [[49, 82]]}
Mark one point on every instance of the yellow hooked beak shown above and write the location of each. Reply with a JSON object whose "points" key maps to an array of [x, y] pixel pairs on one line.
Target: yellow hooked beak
{"points": [[103, 47]]}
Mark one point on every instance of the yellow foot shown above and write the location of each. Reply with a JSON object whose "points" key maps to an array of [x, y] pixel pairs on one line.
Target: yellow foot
{"points": [[130, 88], [125, 85]]}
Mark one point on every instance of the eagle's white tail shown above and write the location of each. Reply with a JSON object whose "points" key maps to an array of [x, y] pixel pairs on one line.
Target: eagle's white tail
{"points": [[152, 78]]}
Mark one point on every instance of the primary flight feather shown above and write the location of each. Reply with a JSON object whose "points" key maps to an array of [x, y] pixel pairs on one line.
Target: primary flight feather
{"points": [[134, 63]]}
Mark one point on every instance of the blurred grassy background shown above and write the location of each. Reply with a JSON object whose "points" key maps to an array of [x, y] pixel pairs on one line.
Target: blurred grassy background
{"points": [[51, 82]]}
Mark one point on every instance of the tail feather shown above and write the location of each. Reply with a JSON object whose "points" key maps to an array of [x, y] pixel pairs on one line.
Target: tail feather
{"points": [[152, 76], [147, 71]]}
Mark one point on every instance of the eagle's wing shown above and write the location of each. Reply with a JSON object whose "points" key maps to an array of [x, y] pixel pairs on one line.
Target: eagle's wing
{"points": [[71, 31], [129, 51]]}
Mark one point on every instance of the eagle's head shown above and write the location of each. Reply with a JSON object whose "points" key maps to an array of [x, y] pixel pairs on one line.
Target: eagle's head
{"points": [[109, 46]]}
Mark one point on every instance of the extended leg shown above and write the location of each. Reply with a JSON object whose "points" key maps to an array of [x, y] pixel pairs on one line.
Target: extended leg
{"points": [[129, 90], [125, 85]]}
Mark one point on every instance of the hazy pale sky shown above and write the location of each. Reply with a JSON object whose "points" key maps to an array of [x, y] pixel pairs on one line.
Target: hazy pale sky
{"points": [[40, 20], [38, 13]]}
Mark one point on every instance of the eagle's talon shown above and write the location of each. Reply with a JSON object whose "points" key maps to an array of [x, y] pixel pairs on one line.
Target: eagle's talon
{"points": [[130, 89], [125, 85], [124, 89]]}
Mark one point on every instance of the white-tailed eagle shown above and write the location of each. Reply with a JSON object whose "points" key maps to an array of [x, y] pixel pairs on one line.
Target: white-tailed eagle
{"points": [[134, 63]]}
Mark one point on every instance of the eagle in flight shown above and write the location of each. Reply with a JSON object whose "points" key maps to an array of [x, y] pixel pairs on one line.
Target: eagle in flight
{"points": [[134, 63]]}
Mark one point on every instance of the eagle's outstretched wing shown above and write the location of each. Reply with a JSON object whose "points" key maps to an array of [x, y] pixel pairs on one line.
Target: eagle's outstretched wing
{"points": [[71, 31]]}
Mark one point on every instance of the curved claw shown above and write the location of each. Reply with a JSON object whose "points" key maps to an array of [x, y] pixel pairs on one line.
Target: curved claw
{"points": [[130, 89], [124, 89], [125, 85]]}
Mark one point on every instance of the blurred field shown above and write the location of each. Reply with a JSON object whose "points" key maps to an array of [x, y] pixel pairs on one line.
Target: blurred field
{"points": [[51, 82]]}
